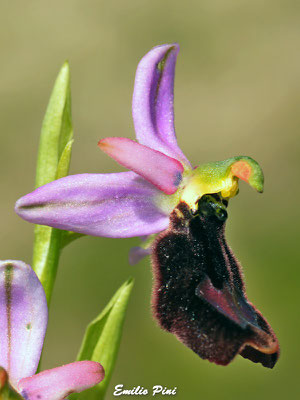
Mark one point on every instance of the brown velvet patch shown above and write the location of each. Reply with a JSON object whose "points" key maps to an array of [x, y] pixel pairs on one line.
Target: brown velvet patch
{"points": [[199, 293]]}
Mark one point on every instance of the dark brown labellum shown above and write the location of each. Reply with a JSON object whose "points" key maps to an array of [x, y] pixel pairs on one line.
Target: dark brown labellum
{"points": [[199, 294]]}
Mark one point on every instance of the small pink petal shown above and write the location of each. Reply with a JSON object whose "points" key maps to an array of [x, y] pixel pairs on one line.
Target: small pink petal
{"points": [[162, 171], [58, 383]]}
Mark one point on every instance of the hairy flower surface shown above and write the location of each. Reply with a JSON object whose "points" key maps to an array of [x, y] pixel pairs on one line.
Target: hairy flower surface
{"points": [[23, 321], [199, 294], [142, 202]]}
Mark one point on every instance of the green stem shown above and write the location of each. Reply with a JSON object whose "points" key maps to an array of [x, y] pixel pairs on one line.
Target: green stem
{"points": [[46, 253]]}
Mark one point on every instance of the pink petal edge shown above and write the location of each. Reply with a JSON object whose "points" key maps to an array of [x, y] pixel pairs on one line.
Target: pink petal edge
{"points": [[60, 382], [162, 171]]}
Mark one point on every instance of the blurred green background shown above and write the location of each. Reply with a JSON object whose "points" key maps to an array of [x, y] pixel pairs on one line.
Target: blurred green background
{"points": [[237, 92]]}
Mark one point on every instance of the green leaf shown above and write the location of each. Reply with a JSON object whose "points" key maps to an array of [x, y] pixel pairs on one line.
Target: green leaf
{"points": [[57, 129], [53, 162], [64, 161], [102, 339]]}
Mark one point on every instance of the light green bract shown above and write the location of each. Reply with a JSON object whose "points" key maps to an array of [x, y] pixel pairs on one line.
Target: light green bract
{"points": [[53, 163], [102, 340]]}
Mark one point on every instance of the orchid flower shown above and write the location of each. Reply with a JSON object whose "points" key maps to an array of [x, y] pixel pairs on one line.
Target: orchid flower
{"points": [[23, 321], [164, 193]]}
